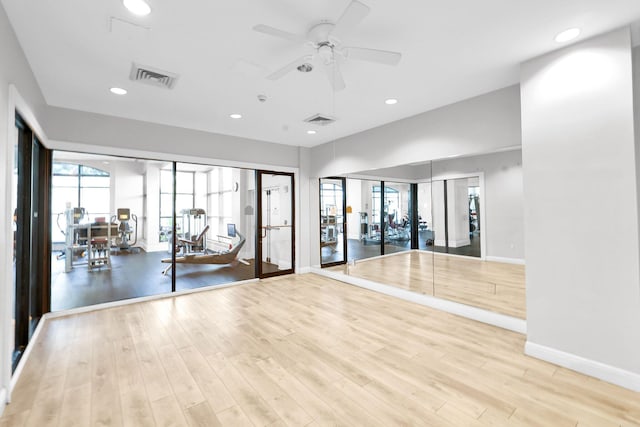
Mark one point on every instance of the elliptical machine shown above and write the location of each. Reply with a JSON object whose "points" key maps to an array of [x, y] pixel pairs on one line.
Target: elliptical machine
{"points": [[127, 226]]}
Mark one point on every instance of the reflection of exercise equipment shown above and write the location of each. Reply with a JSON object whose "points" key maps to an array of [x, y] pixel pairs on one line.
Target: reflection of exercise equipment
{"points": [[227, 253], [398, 232], [364, 225], [124, 218], [474, 213]]}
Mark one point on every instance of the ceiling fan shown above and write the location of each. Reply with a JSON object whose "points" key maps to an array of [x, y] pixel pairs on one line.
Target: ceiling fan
{"points": [[326, 39]]}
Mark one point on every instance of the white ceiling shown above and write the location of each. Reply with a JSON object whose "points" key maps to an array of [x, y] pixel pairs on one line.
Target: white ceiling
{"points": [[452, 50]]}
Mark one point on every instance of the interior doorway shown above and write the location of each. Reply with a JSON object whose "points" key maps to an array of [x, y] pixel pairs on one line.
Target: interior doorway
{"points": [[276, 213]]}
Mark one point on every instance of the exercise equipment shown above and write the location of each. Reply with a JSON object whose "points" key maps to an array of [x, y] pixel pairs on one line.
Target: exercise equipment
{"points": [[127, 226], [227, 250]]}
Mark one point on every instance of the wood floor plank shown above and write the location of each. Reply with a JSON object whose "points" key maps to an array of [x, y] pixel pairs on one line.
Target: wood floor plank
{"points": [[494, 286], [299, 350], [167, 413]]}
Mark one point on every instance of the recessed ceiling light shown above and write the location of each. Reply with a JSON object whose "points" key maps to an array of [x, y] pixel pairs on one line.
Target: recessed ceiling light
{"points": [[391, 101], [235, 116], [118, 91], [137, 7], [312, 132], [567, 35]]}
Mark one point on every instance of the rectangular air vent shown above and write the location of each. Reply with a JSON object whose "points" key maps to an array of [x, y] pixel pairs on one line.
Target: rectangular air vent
{"points": [[320, 119], [152, 76]]}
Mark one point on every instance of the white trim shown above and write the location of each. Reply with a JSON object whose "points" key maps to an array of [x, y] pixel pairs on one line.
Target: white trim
{"points": [[3, 400], [460, 243], [111, 304], [518, 261], [303, 270], [15, 102], [448, 254], [377, 257], [26, 354], [474, 313], [617, 376]]}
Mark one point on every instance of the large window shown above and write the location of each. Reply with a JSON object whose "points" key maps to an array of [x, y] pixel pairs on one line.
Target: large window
{"points": [[184, 198], [78, 186]]}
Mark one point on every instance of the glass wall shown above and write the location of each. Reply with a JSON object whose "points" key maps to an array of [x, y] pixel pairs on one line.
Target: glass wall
{"points": [[102, 206], [114, 235], [215, 225]]}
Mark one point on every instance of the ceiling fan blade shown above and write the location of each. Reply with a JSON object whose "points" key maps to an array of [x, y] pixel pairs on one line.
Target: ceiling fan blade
{"points": [[353, 14], [265, 29], [334, 75], [288, 68], [373, 55]]}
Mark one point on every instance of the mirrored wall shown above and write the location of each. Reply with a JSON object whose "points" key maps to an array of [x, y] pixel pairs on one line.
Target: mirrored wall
{"points": [[455, 233]]}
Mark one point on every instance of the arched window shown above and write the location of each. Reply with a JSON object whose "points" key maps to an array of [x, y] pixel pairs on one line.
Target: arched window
{"points": [[79, 186]]}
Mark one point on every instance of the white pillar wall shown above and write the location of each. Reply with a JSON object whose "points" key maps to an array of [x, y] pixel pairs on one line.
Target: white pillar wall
{"points": [[458, 211], [581, 212]]}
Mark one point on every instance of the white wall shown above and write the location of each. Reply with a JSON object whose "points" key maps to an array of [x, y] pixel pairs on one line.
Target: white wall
{"points": [[581, 211], [503, 198], [114, 132], [14, 70], [483, 124]]}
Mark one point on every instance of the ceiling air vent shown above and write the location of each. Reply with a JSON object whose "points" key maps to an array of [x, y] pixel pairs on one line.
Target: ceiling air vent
{"points": [[152, 76], [319, 119]]}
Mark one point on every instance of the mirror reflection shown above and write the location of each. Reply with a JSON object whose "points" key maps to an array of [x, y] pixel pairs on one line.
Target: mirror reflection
{"points": [[450, 228]]}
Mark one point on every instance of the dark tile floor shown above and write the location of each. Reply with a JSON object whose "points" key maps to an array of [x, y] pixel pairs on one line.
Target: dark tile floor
{"points": [[134, 275], [358, 249]]}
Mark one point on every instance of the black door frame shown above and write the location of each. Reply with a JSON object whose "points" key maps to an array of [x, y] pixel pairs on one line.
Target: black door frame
{"points": [[343, 180], [258, 264], [33, 242]]}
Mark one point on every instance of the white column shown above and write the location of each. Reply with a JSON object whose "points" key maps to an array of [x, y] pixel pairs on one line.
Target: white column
{"points": [[581, 211]]}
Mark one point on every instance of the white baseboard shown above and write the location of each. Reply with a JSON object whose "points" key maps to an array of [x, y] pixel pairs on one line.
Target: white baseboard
{"points": [[303, 270], [88, 308], [608, 373], [484, 316], [518, 261], [25, 356], [3, 400], [459, 243], [358, 261]]}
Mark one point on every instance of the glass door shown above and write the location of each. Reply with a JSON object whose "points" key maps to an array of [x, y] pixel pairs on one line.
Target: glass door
{"points": [[276, 249], [333, 244]]}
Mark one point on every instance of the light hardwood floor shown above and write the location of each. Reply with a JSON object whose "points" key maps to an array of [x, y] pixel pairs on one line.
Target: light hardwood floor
{"points": [[298, 351], [494, 286]]}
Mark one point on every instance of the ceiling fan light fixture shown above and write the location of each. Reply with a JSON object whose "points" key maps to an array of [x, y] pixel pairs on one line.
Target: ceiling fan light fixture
{"points": [[391, 101], [305, 68], [137, 7], [567, 35]]}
